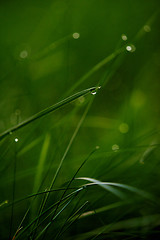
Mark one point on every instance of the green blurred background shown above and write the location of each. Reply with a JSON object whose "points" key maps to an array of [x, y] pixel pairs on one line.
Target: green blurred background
{"points": [[40, 63]]}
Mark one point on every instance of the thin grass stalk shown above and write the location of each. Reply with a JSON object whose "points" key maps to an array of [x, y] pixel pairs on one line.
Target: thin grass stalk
{"points": [[47, 111]]}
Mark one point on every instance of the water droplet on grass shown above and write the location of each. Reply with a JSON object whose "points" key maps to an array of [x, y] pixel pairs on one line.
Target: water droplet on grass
{"points": [[124, 37], [16, 139], [115, 147], [76, 35], [147, 28], [94, 92], [131, 48], [23, 54], [123, 128]]}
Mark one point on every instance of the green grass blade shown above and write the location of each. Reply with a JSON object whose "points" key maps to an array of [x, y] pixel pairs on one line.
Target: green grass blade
{"points": [[42, 159], [47, 210], [105, 185], [71, 220], [51, 47], [47, 111], [97, 67]]}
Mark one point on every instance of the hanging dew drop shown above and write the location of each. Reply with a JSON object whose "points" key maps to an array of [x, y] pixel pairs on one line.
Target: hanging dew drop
{"points": [[115, 147], [94, 92], [131, 48], [16, 140], [124, 37]]}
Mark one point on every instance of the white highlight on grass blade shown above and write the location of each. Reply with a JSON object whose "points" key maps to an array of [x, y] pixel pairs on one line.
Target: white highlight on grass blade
{"points": [[23, 54], [124, 37], [130, 48], [76, 35], [16, 139], [147, 28], [123, 127], [115, 147]]}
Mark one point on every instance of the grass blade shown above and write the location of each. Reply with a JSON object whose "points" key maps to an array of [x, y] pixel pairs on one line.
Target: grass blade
{"points": [[47, 111]]}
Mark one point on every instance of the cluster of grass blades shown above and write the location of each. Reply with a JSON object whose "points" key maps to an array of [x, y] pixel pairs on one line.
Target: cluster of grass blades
{"points": [[55, 193]]}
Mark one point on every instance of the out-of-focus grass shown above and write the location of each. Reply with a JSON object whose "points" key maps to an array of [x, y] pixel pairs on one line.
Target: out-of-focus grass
{"points": [[90, 169]]}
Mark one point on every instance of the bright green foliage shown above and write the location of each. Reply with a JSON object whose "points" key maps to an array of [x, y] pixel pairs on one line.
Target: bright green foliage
{"points": [[79, 125]]}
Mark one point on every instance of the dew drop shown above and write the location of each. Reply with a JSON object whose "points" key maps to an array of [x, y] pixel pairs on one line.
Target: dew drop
{"points": [[97, 147], [147, 28], [115, 147], [23, 54], [124, 37], [94, 92], [123, 128], [76, 35], [10, 133], [16, 139], [130, 48]]}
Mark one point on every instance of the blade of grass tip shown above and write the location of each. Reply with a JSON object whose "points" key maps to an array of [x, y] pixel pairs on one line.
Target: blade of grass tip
{"points": [[51, 47], [62, 230], [106, 186], [124, 186], [47, 111], [96, 68], [48, 209], [73, 179]]}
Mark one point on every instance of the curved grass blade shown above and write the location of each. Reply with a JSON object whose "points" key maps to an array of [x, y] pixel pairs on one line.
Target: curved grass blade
{"points": [[105, 185], [47, 111]]}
